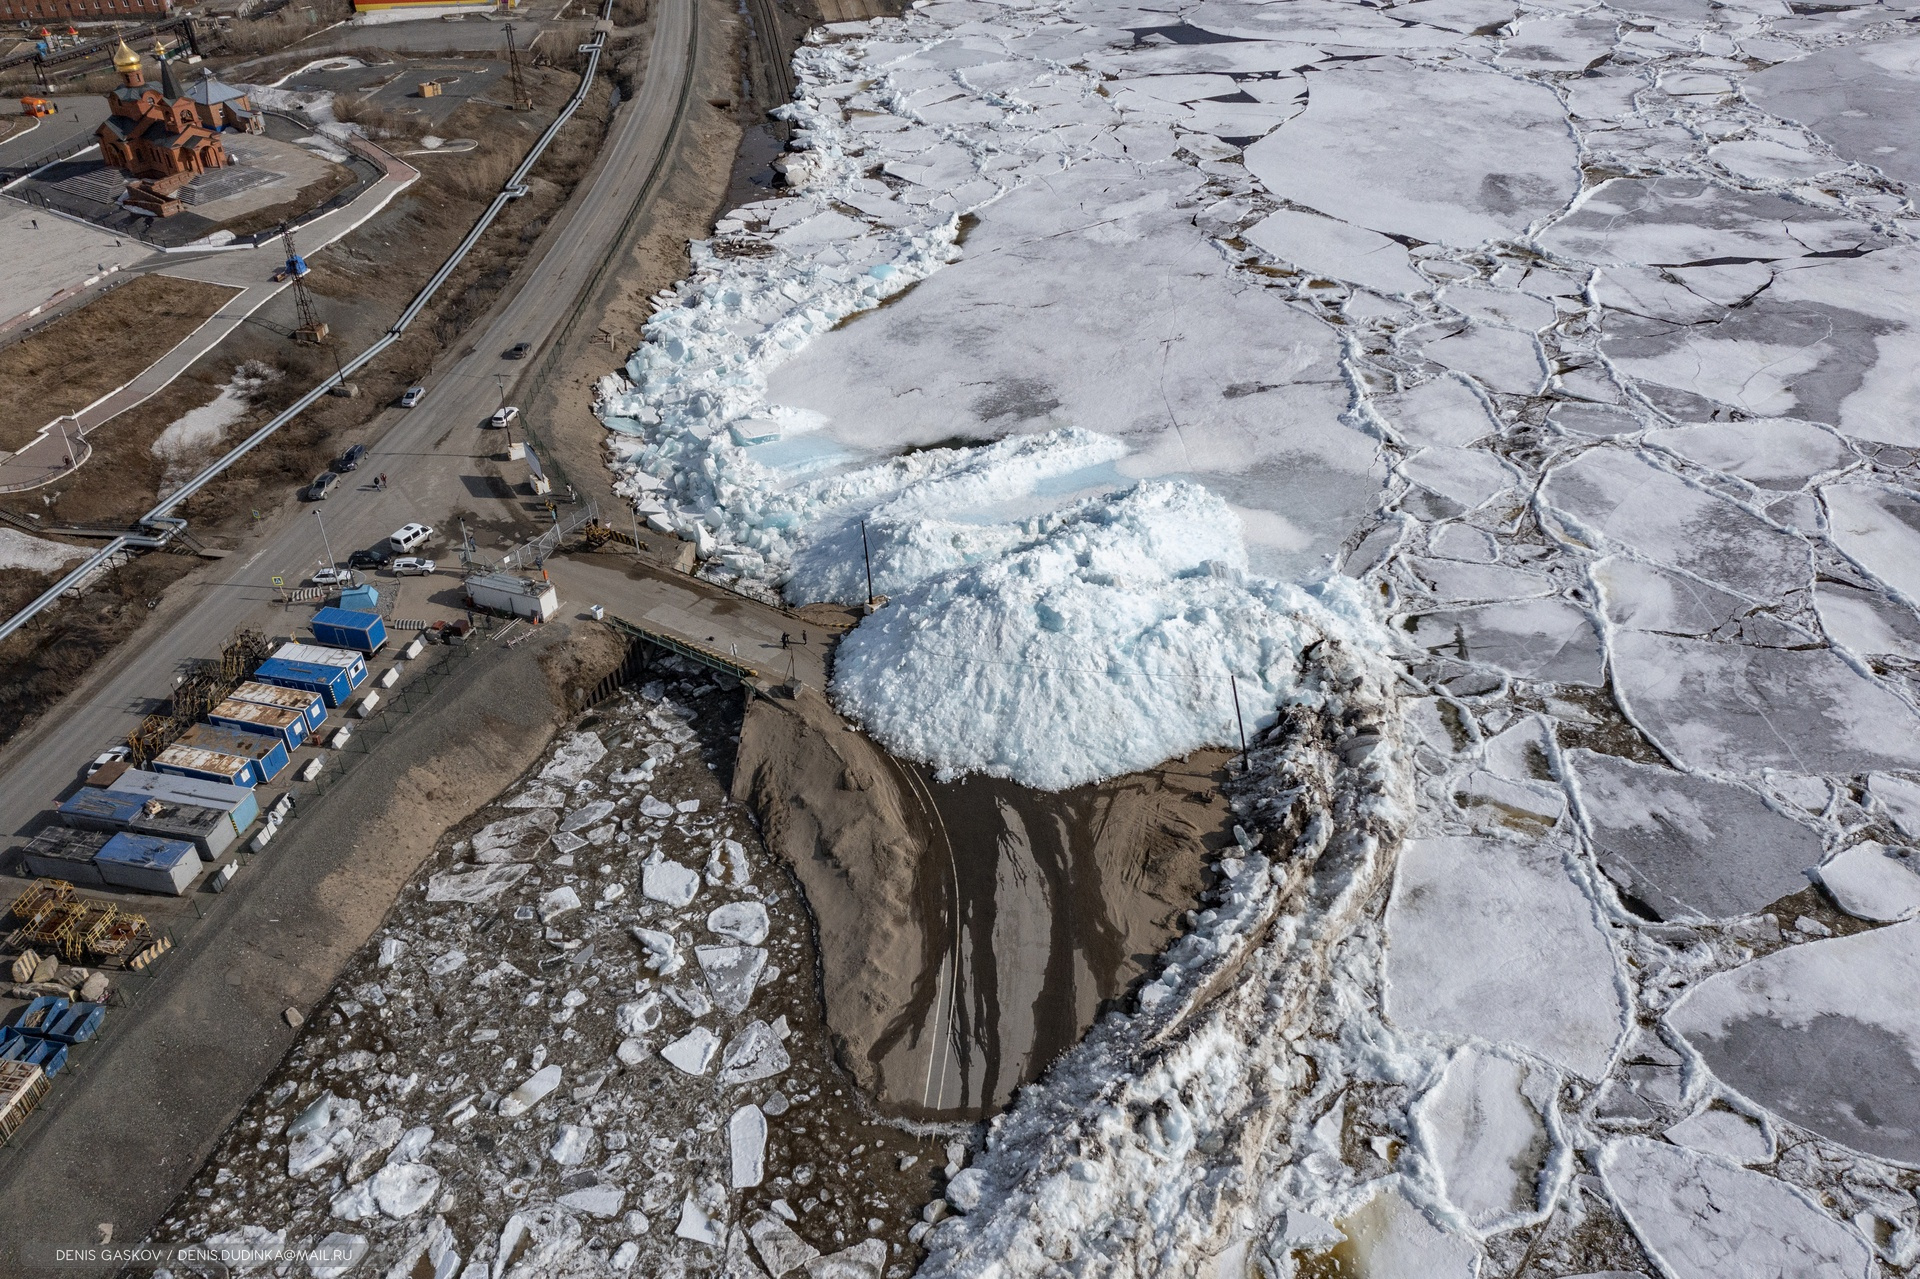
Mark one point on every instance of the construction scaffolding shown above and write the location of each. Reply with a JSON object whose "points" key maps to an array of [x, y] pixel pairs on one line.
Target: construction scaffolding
{"points": [[201, 689]]}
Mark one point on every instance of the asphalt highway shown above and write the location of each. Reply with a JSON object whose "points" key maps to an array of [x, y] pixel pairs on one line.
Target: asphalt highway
{"points": [[429, 455]]}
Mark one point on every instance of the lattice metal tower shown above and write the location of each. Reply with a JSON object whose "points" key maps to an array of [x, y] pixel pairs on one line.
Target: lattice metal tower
{"points": [[522, 101], [311, 329]]}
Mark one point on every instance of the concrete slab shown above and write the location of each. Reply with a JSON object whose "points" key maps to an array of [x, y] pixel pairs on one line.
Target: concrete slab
{"points": [[49, 257]]}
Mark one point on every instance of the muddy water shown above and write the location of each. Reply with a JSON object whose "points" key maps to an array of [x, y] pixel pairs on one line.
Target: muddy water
{"points": [[1043, 907]]}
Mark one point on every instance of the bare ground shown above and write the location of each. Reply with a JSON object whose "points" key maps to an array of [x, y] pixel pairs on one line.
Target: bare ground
{"points": [[101, 347]]}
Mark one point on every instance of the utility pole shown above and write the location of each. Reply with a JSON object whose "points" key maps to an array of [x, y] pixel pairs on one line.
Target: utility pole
{"points": [[866, 554], [324, 540], [1234, 684]]}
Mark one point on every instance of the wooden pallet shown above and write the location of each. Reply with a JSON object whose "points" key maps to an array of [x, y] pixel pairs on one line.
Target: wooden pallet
{"points": [[21, 1088]]}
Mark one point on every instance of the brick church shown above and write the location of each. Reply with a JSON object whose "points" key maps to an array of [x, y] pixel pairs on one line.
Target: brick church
{"points": [[165, 135]]}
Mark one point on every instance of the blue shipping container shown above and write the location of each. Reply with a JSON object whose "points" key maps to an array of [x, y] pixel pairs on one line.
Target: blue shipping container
{"points": [[312, 705], [289, 725], [237, 802], [340, 628], [148, 862], [91, 809], [212, 766], [326, 655], [267, 751], [332, 683]]}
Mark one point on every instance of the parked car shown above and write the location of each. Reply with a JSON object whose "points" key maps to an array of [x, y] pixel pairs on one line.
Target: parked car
{"points": [[350, 460], [323, 486], [333, 577], [111, 755], [409, 537], [503, 417], [413, 396], [412, 566], [372, 557], [518, 351]]}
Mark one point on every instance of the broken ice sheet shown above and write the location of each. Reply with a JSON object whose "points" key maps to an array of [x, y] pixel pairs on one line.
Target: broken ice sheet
{"points": [[1825, 1034], [514, 838], [1492, 940], [747, 1140], [731, 972], [1482, 1123], [1708, 1219], [573, 757], [693, 1052], [1690, 846], [1726, 1133], [1731, 708], [668, 882], [744, 922], [1545, 639], [477, 885], [1869, 881], [755, 1053]]}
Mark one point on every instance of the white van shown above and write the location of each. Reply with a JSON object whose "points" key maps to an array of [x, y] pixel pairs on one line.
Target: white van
{"points": [[409, 536]]}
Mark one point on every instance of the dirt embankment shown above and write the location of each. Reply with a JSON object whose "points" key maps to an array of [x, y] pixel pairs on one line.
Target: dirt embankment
{"points": [[831, 802], [971, 931]]}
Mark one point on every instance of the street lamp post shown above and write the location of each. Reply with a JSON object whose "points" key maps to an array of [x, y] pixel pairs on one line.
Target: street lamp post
{"points": [[324, 540]]}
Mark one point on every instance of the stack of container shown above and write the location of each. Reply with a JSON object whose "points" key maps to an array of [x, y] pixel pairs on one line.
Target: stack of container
{"points": [[223, 755]]}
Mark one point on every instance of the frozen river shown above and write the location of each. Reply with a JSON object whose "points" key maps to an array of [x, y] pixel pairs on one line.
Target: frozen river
{"points": [[1577, 342]]}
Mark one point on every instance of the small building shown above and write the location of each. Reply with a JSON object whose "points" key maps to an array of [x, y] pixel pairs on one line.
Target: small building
{"points": [[207, 829], [520, 596], [149, 863], [348, 629], [64, 852], [68, 11], [331, 684], [211, 766], [107, 810]]}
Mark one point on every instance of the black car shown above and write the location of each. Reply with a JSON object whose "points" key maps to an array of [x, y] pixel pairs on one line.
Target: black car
{"points": [[372, 557], [350, 460], [518, 351]]}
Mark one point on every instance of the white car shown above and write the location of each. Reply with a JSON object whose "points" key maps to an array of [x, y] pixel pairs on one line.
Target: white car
{"points": [[413, 396], [503, 417], [412, 566], [333, 577], [410, 537], [111, 755]]}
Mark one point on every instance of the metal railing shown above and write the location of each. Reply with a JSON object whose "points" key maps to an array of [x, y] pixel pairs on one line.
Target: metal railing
{"points": [[161, 519], [686, 648]]}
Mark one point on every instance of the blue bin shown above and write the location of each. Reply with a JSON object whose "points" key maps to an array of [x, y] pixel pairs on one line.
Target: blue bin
{"points": [[79, 1023], [39, 1014], [48, 1054]]}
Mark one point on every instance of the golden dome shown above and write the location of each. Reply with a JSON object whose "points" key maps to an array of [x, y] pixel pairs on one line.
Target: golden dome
{"points": [[125, 59]]}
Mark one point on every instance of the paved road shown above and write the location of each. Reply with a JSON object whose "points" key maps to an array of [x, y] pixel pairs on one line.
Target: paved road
{"points": [[429, 455]]}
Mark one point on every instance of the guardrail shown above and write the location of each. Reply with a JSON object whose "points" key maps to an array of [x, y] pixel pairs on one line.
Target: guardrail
{"points": [[162, 519], [686, 648]]}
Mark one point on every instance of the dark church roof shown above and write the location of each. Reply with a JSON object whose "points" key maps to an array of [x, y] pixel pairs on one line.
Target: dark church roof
{"points": [[207, 91]]}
